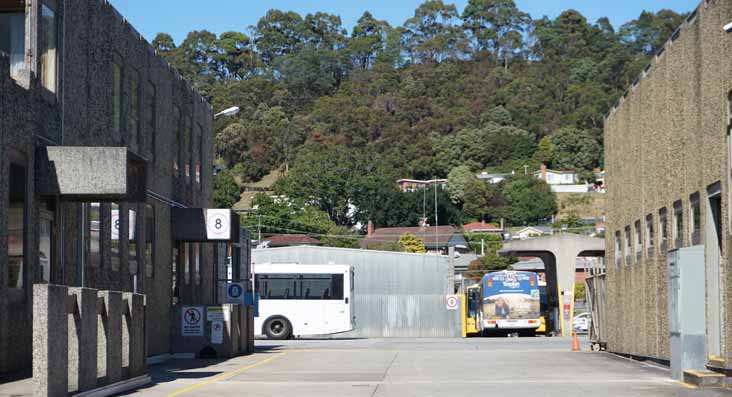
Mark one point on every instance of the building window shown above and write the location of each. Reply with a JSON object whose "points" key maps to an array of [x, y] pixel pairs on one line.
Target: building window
{"points": [[199, 158], [187, 263], [618, 250], [628, 247], [149, 99], [116, 232], [678, 225], [93, 222], [17, 236], [650, 235], [663, 226], [12, 35], [133, 114], [48, 41], [45, 243], [117, 97], [174, 275], [197, 263], [695, 221], [149, 240], [133, 235], [186, 149], [638, 241], [176, 141]]}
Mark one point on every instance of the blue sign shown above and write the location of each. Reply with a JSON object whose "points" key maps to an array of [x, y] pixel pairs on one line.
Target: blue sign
{"points": [[235, 291], [248, 301]]}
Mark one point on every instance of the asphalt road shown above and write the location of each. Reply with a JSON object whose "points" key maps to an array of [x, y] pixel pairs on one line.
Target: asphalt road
{"points": [[418, 367]]}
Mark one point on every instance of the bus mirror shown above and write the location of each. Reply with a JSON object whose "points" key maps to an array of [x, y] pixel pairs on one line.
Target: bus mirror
{"points": [[346, 300]]}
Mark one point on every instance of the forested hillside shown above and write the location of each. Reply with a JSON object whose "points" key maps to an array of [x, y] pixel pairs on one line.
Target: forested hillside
{"points": [[344, 114]]}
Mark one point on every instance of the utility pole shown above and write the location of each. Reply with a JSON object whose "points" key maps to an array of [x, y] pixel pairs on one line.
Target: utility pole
{"points": [[259, 229]]}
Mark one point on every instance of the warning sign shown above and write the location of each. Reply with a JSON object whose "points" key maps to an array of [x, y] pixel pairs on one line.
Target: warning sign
{"points": [[215, 313], [217, 332], [191, 321], [451, 302]]}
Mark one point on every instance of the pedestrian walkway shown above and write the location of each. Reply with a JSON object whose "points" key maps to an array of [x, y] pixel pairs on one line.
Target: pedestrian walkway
{"points": [[417, 367]]}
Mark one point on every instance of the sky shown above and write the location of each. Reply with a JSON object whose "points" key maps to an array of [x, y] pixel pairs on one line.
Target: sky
{"points": [[178, 17]]}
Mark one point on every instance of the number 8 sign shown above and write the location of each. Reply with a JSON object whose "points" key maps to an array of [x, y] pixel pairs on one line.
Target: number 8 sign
{"points": [[218, 224]]}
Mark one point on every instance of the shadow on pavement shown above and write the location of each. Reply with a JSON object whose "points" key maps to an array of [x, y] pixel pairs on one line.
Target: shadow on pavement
{"points": [[173, 370]]}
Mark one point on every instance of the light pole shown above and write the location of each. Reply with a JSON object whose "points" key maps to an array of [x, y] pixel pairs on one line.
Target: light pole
{"points": [[230, 112]]}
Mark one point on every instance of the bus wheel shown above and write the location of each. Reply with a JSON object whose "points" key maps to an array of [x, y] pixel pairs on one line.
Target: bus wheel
{"points": [[277, 328]]}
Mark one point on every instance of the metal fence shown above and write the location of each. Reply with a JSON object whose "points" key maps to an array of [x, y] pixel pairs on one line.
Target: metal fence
{"points": [[395, 294], [597, 303]]}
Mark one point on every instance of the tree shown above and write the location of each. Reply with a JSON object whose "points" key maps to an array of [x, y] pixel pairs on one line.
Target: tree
{"points": [[431, 34], [483, 201], [324, 31], [367, 40], [163, 44], [530, 200], [457, 181], [411, 243], [647, 33], [236, 58], [545, 151], [576, 149], [226, 191], [322, 175], [277, 34], [497, 26]]}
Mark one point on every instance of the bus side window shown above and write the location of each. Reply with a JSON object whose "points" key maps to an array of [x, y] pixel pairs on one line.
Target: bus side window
{"points": [[336, 287]]}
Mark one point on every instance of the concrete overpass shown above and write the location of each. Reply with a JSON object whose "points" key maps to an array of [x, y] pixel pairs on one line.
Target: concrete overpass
{"points": [[559, 253]]}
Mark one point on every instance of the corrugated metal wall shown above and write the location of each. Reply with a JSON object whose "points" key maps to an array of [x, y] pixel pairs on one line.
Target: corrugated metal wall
{"points": [[396, 294]]}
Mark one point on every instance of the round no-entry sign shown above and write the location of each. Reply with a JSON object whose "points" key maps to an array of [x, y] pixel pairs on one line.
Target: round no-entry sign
{"points": [[451, 302]]}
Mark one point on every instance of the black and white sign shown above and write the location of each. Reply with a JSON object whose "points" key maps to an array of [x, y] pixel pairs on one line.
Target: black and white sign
{"points": [[217, 332], [191, 321], [218, 224], [235, 293], [451, 302]]}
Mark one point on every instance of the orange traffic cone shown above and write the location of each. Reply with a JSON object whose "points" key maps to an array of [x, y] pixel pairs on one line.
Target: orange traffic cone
{"points": [[575, 342]]}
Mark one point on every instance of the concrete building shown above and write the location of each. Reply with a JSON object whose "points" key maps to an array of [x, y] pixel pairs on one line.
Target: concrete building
{"points": [[99, 140], [667, 151]]}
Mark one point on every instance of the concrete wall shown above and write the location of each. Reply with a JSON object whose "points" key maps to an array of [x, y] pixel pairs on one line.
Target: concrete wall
{"points": [[80, 114], [395, 294], [665, 141]]}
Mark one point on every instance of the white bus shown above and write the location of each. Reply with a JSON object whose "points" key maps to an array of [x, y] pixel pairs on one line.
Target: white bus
{"points": [[297, 300]]}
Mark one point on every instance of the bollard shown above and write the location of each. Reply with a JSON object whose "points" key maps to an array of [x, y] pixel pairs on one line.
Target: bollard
{"points": [[83, 339], [112, 328], [50, 341]]}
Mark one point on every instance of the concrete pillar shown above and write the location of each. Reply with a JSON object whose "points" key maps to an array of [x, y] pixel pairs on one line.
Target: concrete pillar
{"points": [[112, 328], [135, 319], [82, 344], [243, 329], [4, 338], [250, 330], [50, 340]]}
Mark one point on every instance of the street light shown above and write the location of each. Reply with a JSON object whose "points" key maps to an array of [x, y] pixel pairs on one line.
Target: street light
{"points": [[230, 112]]}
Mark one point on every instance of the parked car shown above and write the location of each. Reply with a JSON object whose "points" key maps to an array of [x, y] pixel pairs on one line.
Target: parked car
{"points": [[581, 323]]}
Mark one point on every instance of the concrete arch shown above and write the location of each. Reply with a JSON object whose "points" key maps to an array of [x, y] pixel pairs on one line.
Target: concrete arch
{"points": [[559, 253]]}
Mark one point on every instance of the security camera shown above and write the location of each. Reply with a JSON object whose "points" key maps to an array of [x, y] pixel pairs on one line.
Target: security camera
{"points": [[728, 27]]}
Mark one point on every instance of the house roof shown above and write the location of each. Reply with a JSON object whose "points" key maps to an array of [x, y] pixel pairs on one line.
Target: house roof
{"points": [[481, 227], [433, 236], [284, 240], [556, 171], [542, 229]]}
